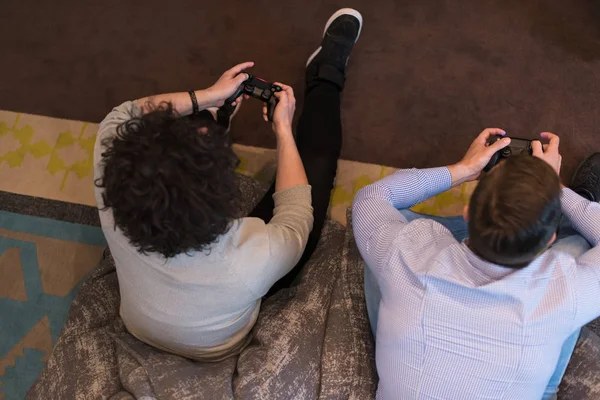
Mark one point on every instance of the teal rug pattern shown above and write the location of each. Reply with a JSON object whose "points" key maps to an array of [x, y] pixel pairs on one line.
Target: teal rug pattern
{"points": [[42, 263]]}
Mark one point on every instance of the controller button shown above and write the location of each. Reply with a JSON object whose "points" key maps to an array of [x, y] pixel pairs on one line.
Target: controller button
{"points": [[506, 151], [266, 93]]}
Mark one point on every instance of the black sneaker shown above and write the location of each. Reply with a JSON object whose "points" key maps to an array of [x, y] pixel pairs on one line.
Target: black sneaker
{"points": [[329, 61], [586, 180]]}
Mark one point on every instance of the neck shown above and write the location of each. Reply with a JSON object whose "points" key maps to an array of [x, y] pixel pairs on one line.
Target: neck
{"points": [[511, 266]]}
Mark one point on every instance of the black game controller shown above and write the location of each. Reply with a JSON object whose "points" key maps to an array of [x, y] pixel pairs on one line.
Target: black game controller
{"points": [[259, 89], [516, 146]]}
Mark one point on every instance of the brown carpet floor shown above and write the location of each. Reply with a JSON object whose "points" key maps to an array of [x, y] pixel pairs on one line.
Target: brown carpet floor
{"points": [[425, 77]]}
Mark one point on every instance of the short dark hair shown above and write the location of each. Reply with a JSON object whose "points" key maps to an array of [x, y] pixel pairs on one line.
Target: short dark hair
{"points": [[514, 211], [170, 181]]}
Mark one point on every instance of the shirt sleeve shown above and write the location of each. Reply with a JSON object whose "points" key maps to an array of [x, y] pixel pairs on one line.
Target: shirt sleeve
{"points": [[376, 219], [287, 234], [107, 130], [108, 126], [585, 218]]}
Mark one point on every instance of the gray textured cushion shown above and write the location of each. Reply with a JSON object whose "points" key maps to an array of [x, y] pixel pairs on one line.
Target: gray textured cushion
{"points": [[310, 342], [582, 379]]}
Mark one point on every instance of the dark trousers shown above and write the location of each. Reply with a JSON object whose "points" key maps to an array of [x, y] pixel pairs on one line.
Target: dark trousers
{"points": [[319, 141]]}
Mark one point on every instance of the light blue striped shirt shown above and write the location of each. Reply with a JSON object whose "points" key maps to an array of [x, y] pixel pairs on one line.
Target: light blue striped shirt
{"points": [[453, 326]]}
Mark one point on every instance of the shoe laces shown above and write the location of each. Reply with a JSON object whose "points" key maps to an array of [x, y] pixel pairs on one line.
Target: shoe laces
{"points": [[590, 183], [589, 178]]}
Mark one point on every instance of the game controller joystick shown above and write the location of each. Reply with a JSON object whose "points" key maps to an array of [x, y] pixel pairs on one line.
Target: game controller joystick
{"points": [[259, 89], [516, 147]]}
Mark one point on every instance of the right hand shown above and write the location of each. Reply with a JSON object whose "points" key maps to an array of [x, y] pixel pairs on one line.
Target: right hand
{"points": [[228, 84], [477, 157], [548, 152], [284, 111]]}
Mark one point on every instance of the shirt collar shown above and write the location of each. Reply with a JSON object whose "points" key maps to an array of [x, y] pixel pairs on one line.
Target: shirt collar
{"points": [[485, 268]]}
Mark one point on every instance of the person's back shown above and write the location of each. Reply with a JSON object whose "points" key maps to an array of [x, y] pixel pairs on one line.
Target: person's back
{"points": [[168, 303], [191, 271], [454, 327], [492, 316], [200, 304]]}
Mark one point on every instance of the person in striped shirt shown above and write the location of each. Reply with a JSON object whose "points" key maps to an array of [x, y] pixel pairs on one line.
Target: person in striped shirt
{"points": [[488, 306]]}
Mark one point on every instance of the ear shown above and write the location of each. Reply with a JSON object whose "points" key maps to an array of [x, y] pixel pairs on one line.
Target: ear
{"points": [[466, 213]]}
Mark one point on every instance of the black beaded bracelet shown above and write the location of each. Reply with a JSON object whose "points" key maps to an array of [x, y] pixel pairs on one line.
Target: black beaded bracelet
{"points": [[195, 108]]}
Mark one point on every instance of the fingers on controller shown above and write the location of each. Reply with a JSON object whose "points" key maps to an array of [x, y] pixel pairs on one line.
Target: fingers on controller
{"points": [[536, 147]]}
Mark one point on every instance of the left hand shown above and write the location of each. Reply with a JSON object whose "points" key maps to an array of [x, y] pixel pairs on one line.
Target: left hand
{"points": [[548, 152], [477, 157], [284, 111], [228, 83]]}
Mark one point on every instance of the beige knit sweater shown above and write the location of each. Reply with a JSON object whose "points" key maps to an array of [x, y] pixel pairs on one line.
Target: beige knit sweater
{"points": [[204, 305]]}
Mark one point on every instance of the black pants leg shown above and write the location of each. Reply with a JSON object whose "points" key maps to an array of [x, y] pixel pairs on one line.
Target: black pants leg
{"points": [[319, 141]]}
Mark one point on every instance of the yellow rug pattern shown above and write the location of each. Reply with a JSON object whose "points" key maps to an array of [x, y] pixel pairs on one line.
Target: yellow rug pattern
{"points": [[53, 158]]}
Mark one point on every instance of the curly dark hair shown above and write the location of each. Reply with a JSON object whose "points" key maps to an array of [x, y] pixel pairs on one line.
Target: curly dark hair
{"points": [[170, 182]]}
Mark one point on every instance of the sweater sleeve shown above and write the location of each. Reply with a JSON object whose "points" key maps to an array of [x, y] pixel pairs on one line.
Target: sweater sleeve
{"points": [[108, 126], [106, 131], [287, 234]]}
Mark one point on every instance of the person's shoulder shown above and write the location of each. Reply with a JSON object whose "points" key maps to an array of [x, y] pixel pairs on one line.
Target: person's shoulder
{"points": [[418, 243], [247, 233], [118, 115], [247, 244], [422, 238], [425, 230], [126, 110], [555, 264]]}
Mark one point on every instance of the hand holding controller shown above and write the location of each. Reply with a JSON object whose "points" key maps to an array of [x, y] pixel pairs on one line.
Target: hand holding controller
{"points": [[516, 146], [284, 112], [259, 89], [548, 152]]}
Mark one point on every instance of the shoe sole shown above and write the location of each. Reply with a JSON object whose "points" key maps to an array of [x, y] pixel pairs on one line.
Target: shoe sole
{"points": [[338, 13]]}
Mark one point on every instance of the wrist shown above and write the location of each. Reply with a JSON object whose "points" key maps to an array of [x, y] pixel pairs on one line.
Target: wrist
{"points": [[283, 129], [207, 98], [460, 173]]}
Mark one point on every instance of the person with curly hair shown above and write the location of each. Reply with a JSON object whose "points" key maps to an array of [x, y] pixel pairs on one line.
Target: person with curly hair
{"points": [[192, 271]]}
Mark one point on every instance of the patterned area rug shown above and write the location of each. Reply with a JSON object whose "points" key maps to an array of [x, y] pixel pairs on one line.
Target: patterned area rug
{"points": [[50, 236], [46, 249]]}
